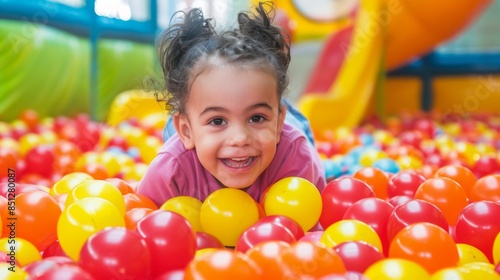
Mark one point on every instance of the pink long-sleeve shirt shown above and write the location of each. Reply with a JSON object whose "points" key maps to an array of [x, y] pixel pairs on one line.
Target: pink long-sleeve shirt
{"points": [[177, 171]]}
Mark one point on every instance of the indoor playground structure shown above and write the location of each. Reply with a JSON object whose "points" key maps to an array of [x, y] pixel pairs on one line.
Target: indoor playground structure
{"points": [[402, 97]]}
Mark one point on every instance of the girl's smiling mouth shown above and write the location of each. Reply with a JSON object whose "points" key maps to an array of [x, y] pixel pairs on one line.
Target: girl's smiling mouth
{"points": [[238, 162]]}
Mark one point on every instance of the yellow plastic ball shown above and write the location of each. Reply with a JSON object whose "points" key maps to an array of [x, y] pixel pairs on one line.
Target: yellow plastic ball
{"points": [[28, 142], [470, 254], [370, 156], [350, 230], [296, 198], [24, 252], [8, 272], [409, 162], [135, 173], [186, 206], [68, 182], [83, 218], [481, 271], [396, 269], [227, 213], [110, 162], [496, 249], [97, 188], [149, 148], [449, 274]]}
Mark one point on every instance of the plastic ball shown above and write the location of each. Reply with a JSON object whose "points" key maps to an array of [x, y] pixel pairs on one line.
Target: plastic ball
{"points": [[350, 230], [426, 244], [38, 268], [479, 270], [36, 213], [39, 160], [106, 254], [133, 216], [137, 200], [446, 194], [496, 249], [223, 264], [83, 218], [267, 257], [478, 225], [375, 178], [404, 183], [339, 195], [411, 212], [396, 268], [370, 156], [186, 206], [302, 255], [333, 169], [486, 165], [65, 271], [121, 185], [460, 174], [375, 212], [97, 188], [486, 188], [23, 251], [205, 240], [387, 164], [290, 196], [358, 256], [287, 222], [470, 254], [68, 182], [261, 232], [169, 236], [226, 213], [7, 274]]}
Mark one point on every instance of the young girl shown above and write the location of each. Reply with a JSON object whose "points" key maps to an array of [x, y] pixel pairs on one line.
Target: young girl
{"points": [[225, 94]]}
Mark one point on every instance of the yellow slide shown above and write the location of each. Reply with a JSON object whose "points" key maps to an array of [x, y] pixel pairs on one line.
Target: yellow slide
{"points": [[350, 94], [387, 34]]}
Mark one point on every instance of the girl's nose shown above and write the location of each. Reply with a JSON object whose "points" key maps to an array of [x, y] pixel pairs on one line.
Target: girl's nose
{"points": [[239, 136]]}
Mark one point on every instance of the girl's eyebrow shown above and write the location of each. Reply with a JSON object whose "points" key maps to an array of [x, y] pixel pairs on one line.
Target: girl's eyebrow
{"points": [[222, 109], [260, 105], [213, 109]]}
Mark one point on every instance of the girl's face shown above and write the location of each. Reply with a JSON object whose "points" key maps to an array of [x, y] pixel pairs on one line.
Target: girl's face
{"points": [[233, 120]]}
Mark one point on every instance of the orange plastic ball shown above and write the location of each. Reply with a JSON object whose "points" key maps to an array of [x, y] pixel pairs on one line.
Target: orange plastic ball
{"points": [[486, 188], [303, 255], [375, 178], [460, 174], [426, 244], [446, 194]]}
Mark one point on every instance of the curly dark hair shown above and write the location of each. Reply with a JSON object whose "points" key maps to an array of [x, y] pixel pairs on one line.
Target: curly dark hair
{"points": [[188, 47]]}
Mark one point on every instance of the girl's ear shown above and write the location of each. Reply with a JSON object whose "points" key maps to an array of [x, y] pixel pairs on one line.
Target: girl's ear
{"points": [[183, 129], [281, 121]]}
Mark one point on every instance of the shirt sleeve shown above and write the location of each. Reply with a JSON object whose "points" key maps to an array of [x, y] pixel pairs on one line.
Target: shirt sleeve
{"points": [[163, 179], [300, 159]]}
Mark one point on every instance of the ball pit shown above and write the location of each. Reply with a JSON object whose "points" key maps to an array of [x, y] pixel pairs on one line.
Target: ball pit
{"points": [[419, 197]]}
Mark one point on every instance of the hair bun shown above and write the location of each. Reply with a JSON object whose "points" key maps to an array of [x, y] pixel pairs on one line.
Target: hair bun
{"points": [[261, 29], [191, 29]]}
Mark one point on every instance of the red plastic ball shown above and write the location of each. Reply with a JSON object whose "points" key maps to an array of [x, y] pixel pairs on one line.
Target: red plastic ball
{"points": [[404, 183], [339, 195], [478, 224], [169, 236], [116, 253]]}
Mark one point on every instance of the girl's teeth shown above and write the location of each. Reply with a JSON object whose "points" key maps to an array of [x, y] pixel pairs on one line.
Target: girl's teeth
{"points": [[238, 162], [239, 159]]}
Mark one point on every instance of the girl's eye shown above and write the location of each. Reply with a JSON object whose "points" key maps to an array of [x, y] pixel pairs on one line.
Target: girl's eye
{"points": [[218, 121], [257, 119]]}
